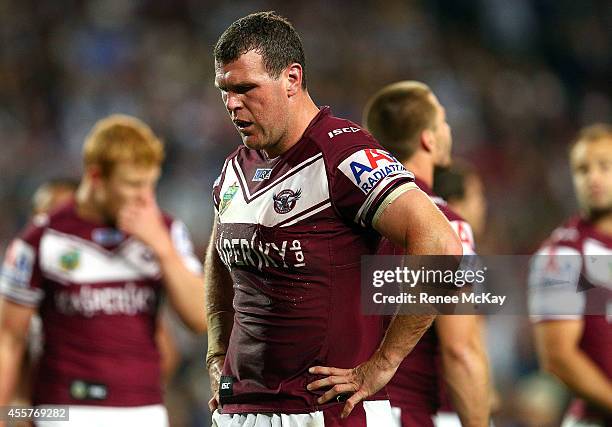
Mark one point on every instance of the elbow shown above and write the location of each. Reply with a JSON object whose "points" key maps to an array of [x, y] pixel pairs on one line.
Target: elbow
{"points": [[468, 354], [198, 326], [553, 364], [453, 244]]}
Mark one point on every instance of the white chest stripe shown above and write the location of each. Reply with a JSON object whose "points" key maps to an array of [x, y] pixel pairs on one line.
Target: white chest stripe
{"points": [[290, 172], [72, 259], [259, 208]]}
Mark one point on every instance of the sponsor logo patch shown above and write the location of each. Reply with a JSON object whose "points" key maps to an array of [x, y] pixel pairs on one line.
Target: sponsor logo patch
{"points": [[262, 174], [107, 236], [226, 386], [285, 201], [70, 260], [81, 390], [366, 168], [19, 263], [227, 197]]}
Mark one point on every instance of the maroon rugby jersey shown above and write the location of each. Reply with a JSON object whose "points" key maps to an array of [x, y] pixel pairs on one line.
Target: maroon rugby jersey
{"points": [[577, 257], [291, 231], [417, 387], [97, 293]]}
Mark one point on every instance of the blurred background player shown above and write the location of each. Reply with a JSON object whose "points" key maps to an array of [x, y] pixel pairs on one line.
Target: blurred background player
{"points": [[461, 187], [48, 197], [571, 286], [53, 194], [408, 120], [95, 270]]}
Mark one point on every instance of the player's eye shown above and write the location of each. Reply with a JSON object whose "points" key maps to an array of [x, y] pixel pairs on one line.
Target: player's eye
{"points": [[242, 89], [581, 169]]}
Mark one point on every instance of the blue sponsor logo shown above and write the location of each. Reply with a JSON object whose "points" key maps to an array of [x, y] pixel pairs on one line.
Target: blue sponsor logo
{"points": [[107, 236], [262, 174]]}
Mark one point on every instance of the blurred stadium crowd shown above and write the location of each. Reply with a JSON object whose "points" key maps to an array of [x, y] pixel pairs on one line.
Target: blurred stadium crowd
{"points": [[518, 79]]}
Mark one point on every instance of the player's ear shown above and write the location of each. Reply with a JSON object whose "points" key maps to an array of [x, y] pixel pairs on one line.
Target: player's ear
{"points": [[427, 140], [293, 79], [94, 173]]}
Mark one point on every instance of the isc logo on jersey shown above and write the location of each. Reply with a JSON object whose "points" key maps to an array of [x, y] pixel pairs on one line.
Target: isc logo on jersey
{"points": [[366, 168], [335, 132]]}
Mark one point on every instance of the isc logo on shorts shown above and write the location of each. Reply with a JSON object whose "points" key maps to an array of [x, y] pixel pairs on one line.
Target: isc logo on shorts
{"points": [[366, 168]]}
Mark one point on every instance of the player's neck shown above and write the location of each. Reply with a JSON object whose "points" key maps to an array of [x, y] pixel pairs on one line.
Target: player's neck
{"points": [[603, 224], [85, 204], [305, 112], [421, 166]]}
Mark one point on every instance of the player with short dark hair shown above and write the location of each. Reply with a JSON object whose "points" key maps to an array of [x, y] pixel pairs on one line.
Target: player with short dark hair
{"points": [[408, 120], [296, 208], [571, 289], [94, 270], [462, 188]]}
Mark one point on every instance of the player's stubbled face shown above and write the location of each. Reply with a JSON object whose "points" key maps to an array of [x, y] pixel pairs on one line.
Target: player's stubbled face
{"points": [[256, 102], [127, 184], [591, 163]]}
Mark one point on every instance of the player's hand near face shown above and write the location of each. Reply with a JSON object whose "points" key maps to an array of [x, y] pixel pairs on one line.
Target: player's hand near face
{"points": [[143, 220], [185, 289]]}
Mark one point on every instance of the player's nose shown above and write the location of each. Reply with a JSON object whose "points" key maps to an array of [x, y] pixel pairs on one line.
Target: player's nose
{"points": [[232, 102]]}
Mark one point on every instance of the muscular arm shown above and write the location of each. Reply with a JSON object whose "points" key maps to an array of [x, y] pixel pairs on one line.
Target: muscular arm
{"points": [[416, 224], [559, 353], [184, 288], [220, 313], [14, 326], [465, 366]]}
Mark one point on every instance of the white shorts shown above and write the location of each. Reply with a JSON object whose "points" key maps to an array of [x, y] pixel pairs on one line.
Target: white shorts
{"points": [[450, 419], [446, 419], [441, 419], [570, 421], [112, 416], [378, 414]]}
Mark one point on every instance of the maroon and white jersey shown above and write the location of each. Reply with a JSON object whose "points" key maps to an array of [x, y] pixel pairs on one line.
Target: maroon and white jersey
{"points": [[97, 293], [577, 257], [417, 387], [291, 231]]}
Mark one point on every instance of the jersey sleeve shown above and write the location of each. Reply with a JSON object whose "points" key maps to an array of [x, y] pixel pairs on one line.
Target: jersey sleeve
{"points": [[362, 176], [21, 280], [464, 231], [184, 246], [553, 284]]}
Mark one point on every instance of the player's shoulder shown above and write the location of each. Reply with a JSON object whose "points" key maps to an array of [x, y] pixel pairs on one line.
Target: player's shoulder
{"points": [[38, 224], [336, 136], [564, 239], [240, 151]]}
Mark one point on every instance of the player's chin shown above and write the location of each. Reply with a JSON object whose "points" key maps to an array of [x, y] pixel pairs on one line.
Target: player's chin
{"points": [[252, 142]]}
